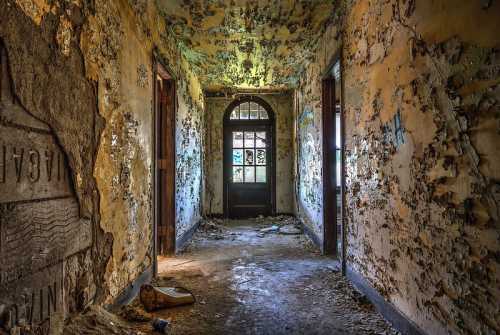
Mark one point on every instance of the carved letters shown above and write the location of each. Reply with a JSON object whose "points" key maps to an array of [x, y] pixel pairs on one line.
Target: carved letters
{"points": [[40, 226], [31, 166]]}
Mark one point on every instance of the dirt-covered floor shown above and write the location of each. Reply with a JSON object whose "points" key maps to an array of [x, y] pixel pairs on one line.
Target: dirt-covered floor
{"points": [[252, 278]]}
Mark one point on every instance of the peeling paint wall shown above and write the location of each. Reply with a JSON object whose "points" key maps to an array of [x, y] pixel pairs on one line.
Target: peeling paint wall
{"points": [[247, 44], [422, 216], [281, 105], [121, 62], [84, 68]]}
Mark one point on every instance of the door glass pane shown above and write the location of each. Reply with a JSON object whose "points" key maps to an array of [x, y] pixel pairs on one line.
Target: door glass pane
{"points": [[263, 114], [244, 111], [236, 113], [254, 106], [249, 157], [237, 139], [260, 174], [254, 111], [260, 139], [237, 156], [249, 174], [254, 114], [249, 142], [261, 156], [237, 174]]}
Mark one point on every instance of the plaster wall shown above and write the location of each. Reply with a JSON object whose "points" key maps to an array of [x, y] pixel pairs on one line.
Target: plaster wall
{"points": [[281, 104], [85, 69], [121, 62], [422, 216]]}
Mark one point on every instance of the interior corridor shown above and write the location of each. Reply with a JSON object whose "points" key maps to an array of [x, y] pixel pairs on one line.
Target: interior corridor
{"points": [[249, 167], [248, 282], [252, 276]]}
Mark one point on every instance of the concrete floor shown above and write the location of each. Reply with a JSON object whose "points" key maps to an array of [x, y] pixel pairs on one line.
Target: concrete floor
{"points": [[276, 284]]}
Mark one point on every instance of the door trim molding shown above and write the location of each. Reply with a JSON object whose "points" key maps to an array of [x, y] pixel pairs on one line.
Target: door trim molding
{"points": [[160, 69], [330, 241], [330, 235], [228, 123]]}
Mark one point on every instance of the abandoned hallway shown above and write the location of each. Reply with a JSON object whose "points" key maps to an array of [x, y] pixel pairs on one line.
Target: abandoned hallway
{"points": [[248, 282], [274, 167]]}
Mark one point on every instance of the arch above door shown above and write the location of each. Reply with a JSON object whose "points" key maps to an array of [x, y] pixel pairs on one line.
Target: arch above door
{"points": [[249, 158]]}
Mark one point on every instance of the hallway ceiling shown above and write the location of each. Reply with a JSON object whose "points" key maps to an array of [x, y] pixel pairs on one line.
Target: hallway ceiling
{"points": [[247, 44]]}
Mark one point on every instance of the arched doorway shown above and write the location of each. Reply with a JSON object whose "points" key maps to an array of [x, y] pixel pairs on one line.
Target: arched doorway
{"points": [[249, 158]]}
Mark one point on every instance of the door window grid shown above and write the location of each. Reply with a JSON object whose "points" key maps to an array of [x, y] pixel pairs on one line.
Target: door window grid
{"points": [[249, 111], [249, 157]]}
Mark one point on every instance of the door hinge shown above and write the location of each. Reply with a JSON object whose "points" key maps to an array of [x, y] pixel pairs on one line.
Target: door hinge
{"points": [[162, 164]]}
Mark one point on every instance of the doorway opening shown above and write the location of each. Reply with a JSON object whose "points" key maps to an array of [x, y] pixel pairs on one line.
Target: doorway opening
{"points": [[164, 160], [249, 159], [333, 162]]}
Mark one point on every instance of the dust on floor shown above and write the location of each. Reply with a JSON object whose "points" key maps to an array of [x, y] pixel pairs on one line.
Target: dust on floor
{"points": [[250, 278]]}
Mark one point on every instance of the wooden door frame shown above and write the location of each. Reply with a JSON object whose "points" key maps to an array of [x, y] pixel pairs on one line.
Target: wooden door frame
{"points": [[226, 124], [162, 71], [330, 233]]}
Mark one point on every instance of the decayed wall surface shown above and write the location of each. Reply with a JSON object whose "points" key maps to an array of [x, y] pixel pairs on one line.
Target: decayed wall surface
{"points": [[121, 62], [77, 80], [422, 216], [50, 245], [281, 104]]}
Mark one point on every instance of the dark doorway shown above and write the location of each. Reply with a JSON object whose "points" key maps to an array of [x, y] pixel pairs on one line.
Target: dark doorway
{"points": [[333, 162], [164, 112], [249, 159]]}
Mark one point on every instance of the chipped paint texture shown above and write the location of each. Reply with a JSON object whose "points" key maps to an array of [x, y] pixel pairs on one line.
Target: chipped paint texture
{"points": [[247, 44], [121, 62], [189, 135], [422, 216], [309, 170], [85, 69], [48, 80], [281, 104]]}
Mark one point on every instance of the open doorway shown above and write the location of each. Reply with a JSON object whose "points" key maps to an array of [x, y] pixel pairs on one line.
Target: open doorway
{"points": [[164, 160], [333, 162], [249, 159]]}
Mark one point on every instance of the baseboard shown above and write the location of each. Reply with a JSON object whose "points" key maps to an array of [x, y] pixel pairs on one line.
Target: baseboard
{"points": [[221, 215], [388, 310], [182, 241], [215, 216], [309, 232], [131, 291], [284, 214]]}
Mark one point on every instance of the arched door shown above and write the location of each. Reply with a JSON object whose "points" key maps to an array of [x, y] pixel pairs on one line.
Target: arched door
{"points": [[249, 159]]}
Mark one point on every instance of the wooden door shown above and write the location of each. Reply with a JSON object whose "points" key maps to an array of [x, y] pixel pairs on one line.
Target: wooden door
{"points": [[249, 161], [165, 162]]}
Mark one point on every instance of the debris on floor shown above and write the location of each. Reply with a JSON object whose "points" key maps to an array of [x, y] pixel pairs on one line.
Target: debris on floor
{"points": [[280, 284], [282, 224], [154, 298], [238, 284], [97, 321], [161, 326], [272, 229], [135, 312], [212, 228], [290, 230]]}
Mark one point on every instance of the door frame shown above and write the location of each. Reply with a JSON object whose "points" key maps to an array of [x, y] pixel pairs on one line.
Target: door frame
{"points": [[227, 123], [161, 70], [331, 235]]}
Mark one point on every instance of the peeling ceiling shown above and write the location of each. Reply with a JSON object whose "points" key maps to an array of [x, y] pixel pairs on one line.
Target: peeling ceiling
{"points": [[240, 44]]}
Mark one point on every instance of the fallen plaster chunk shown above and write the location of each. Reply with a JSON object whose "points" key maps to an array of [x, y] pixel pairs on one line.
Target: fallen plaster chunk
{"points": [[290, 230], [154, 298], [272, 229]]}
